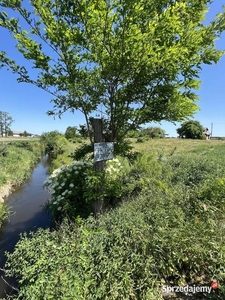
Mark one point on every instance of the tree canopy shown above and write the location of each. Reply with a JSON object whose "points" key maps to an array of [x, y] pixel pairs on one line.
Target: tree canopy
{"points": [[191, 130], [131, 61], [71, 132]]}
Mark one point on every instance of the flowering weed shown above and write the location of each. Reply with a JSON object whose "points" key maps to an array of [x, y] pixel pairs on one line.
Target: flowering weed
{"points": [[75, 187]]}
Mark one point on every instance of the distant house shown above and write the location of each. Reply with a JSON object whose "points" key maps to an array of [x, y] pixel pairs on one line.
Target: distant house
{"points": [[18, 133]]}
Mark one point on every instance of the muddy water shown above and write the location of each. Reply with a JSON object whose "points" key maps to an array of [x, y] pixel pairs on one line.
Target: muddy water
{"points": [[27, 206]]}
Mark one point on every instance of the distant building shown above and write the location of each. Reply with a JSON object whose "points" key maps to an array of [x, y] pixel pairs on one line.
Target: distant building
{"points": [[18, 133]]}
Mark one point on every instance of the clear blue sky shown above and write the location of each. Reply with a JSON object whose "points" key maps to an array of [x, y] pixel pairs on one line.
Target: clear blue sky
{"points": [[28, 104]]}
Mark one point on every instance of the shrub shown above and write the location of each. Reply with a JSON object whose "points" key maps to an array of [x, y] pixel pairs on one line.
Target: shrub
{"points": [[54, 143], [23, 144], [4, 213], [66, 186], [74, 188]]}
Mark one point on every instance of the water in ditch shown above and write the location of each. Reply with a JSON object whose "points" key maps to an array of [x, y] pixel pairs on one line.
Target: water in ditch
{"points": [[26, 204]]}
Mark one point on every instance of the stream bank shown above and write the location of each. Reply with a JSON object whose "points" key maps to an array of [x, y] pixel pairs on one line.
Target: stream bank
{"points": [[26, 204]]}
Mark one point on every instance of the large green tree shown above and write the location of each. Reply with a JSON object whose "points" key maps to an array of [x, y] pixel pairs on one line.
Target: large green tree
{"points": [[134, 61], [191, 129]]}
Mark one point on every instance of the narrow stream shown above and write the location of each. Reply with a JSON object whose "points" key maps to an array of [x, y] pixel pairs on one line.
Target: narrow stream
{"points": [[26, 203]]}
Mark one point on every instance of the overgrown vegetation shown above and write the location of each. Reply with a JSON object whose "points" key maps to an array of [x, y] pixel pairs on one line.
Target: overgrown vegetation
{"points": [[4, 214], [54, 143], [147, 133], [16, 160], [166, 228]]}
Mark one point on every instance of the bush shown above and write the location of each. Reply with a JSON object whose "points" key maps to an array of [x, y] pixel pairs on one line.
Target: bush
{"points": [[4, 213], [75, 188], [66, 186], [23, 144], [106, 261], [54, 143], [71, 132]]}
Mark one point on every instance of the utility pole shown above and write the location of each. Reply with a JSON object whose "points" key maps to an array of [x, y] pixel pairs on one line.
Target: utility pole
{"points": [[211, 129]]}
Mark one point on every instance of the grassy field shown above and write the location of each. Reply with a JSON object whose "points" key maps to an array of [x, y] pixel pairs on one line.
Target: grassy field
{"points": [[172, 146], [17, 139]]}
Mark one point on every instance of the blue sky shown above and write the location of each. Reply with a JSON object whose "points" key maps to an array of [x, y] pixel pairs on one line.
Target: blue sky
{"points": [[28, 104]]}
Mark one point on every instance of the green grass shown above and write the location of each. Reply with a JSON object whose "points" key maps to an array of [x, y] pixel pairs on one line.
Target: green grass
{"points": [[170, 146], [16, 160]]}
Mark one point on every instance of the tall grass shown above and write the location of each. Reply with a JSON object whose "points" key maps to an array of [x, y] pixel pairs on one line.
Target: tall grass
{"points": [[16, 161]]}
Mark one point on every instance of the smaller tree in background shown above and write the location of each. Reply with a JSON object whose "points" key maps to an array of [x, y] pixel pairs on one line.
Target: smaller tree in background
{"points": [[71, 132], [54, 143], [191, 130], [150, 132], [26, 134], [153, 132]]}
